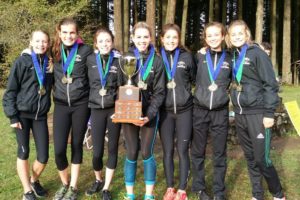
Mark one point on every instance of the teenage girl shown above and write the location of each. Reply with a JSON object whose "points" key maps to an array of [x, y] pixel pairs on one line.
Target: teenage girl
{"points": [[176, 112], [104, 78], [254, 97], [26, 102], [71, 112], [150, 79], [210, 115]]}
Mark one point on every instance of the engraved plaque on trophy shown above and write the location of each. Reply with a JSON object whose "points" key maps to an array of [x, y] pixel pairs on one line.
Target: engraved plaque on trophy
{"points": [[128, 107]]}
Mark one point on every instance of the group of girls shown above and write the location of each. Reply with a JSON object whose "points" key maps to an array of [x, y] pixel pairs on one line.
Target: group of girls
{"points": [[85, 83]]}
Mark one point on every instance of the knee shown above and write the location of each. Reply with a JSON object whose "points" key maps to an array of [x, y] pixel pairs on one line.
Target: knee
{"points": [[132, 154], [23, 153], [43, 159]]}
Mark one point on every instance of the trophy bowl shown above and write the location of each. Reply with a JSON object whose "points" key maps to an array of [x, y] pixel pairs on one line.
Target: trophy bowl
{"points": [[128, 66]]}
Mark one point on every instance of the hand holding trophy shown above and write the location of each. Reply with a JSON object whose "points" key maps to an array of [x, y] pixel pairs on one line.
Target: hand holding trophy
{"points": [[128, 108]]}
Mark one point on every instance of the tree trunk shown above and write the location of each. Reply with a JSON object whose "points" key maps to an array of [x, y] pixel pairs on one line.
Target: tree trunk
{"points": [[118, 25], [126, 24], [259, 21], [184, 20], [150, 18], [217, 10], [273, 40], [286, 48], [170, 18], [211, 11], [164, 5], [224, 12], [240, 9]]}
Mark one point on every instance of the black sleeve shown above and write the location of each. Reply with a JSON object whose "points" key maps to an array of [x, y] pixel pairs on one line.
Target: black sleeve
{"points": [[193, 67], [10, 96], [270, 85], [158, 95]]}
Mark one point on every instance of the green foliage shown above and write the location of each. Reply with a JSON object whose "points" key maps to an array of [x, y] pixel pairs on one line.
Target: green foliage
{"points": [[24, 16]]}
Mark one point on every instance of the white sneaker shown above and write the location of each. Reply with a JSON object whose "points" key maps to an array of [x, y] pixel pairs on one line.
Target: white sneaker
{"points": [[283, 198]]}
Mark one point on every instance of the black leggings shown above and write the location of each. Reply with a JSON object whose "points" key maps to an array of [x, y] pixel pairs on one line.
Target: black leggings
{"points": [[179, 126], [65, 118], [100, 120], [147, 138], [40, 135]]}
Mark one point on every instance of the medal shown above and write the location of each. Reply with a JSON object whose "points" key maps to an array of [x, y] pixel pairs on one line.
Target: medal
{"points": [[142, 85], [213, 87], [239, 88], [42, 91], [64, 80], [102, 92], [171, 84], [69, 80]]}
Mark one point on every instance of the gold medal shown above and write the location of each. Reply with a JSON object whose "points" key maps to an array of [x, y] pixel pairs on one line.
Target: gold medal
{"points": [[42, 91], [213, 87], [171, 84], [233, 85], [239, 88], [102, 92], [64, 80]]}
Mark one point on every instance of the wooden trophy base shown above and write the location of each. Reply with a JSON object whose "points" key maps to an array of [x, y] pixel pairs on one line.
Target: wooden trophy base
{"points": [[128, 109]]}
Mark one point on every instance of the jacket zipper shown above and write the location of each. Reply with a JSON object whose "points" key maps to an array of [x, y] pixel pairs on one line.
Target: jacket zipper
{"points": [[238, 100], [174, 93], [39, 101], [212, 92], [102, 99], [68, 91]]}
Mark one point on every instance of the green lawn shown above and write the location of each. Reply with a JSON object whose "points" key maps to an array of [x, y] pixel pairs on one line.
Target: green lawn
{"points": [[286, 158]]}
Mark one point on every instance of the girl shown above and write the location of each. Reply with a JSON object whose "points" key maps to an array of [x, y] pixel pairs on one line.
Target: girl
{"points": [[104, 77], [254, 97], [151, 81], [26, 102], [176, 113], [71, 92], [210, 113]]}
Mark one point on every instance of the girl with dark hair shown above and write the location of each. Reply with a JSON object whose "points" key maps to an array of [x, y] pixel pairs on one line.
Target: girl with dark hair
{"points": [[176, 112], [71, 112], [26, 102], [210, 115], [150, 79], [104, 78]]}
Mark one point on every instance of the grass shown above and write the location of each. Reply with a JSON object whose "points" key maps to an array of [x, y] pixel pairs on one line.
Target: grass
{"points": [[286, 160]]}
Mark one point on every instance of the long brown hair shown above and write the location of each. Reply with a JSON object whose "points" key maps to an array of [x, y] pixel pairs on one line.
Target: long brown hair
{"points": [[102, 29], [211, 24], [174, 27], [141, 25], [238, 23], [57, 41]]}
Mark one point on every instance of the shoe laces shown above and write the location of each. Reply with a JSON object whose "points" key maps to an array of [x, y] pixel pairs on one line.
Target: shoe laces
{"points": [[181, 196]]}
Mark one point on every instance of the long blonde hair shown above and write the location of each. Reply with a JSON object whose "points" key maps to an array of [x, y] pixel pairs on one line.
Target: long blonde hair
{"points": [[238, 23]]}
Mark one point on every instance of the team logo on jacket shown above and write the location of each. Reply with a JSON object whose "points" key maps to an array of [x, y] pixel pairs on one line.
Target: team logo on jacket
{"points": [[181, 64], [113, 69], [247, 61], [260, 136], [94, 66], [78, 58], [225, 65]]}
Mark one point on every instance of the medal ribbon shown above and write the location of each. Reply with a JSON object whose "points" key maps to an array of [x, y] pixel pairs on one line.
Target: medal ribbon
{"points": [[68, 62], [170, 71], [238, 65], [40, 71], [103, 74], [213, 73], [146, 67]]}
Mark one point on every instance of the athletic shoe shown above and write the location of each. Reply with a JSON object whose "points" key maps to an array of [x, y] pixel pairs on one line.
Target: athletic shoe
{"points": [[275, 198], [106, 195], [71, 194], [170, 194], [253, 198], [95, 188], [181, 196], [219, 197], [129, 197], [202, 195], [38, 190], [29, 196], [60, 193]]}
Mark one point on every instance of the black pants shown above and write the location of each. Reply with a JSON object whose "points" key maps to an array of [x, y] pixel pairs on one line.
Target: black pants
{"points": [[41, 138], [251, 134], [216, 124], [65, 118], [100, 121], [177, 126]]}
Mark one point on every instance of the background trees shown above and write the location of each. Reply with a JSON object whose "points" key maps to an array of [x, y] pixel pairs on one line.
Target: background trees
{"points": [[274, 21]]}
